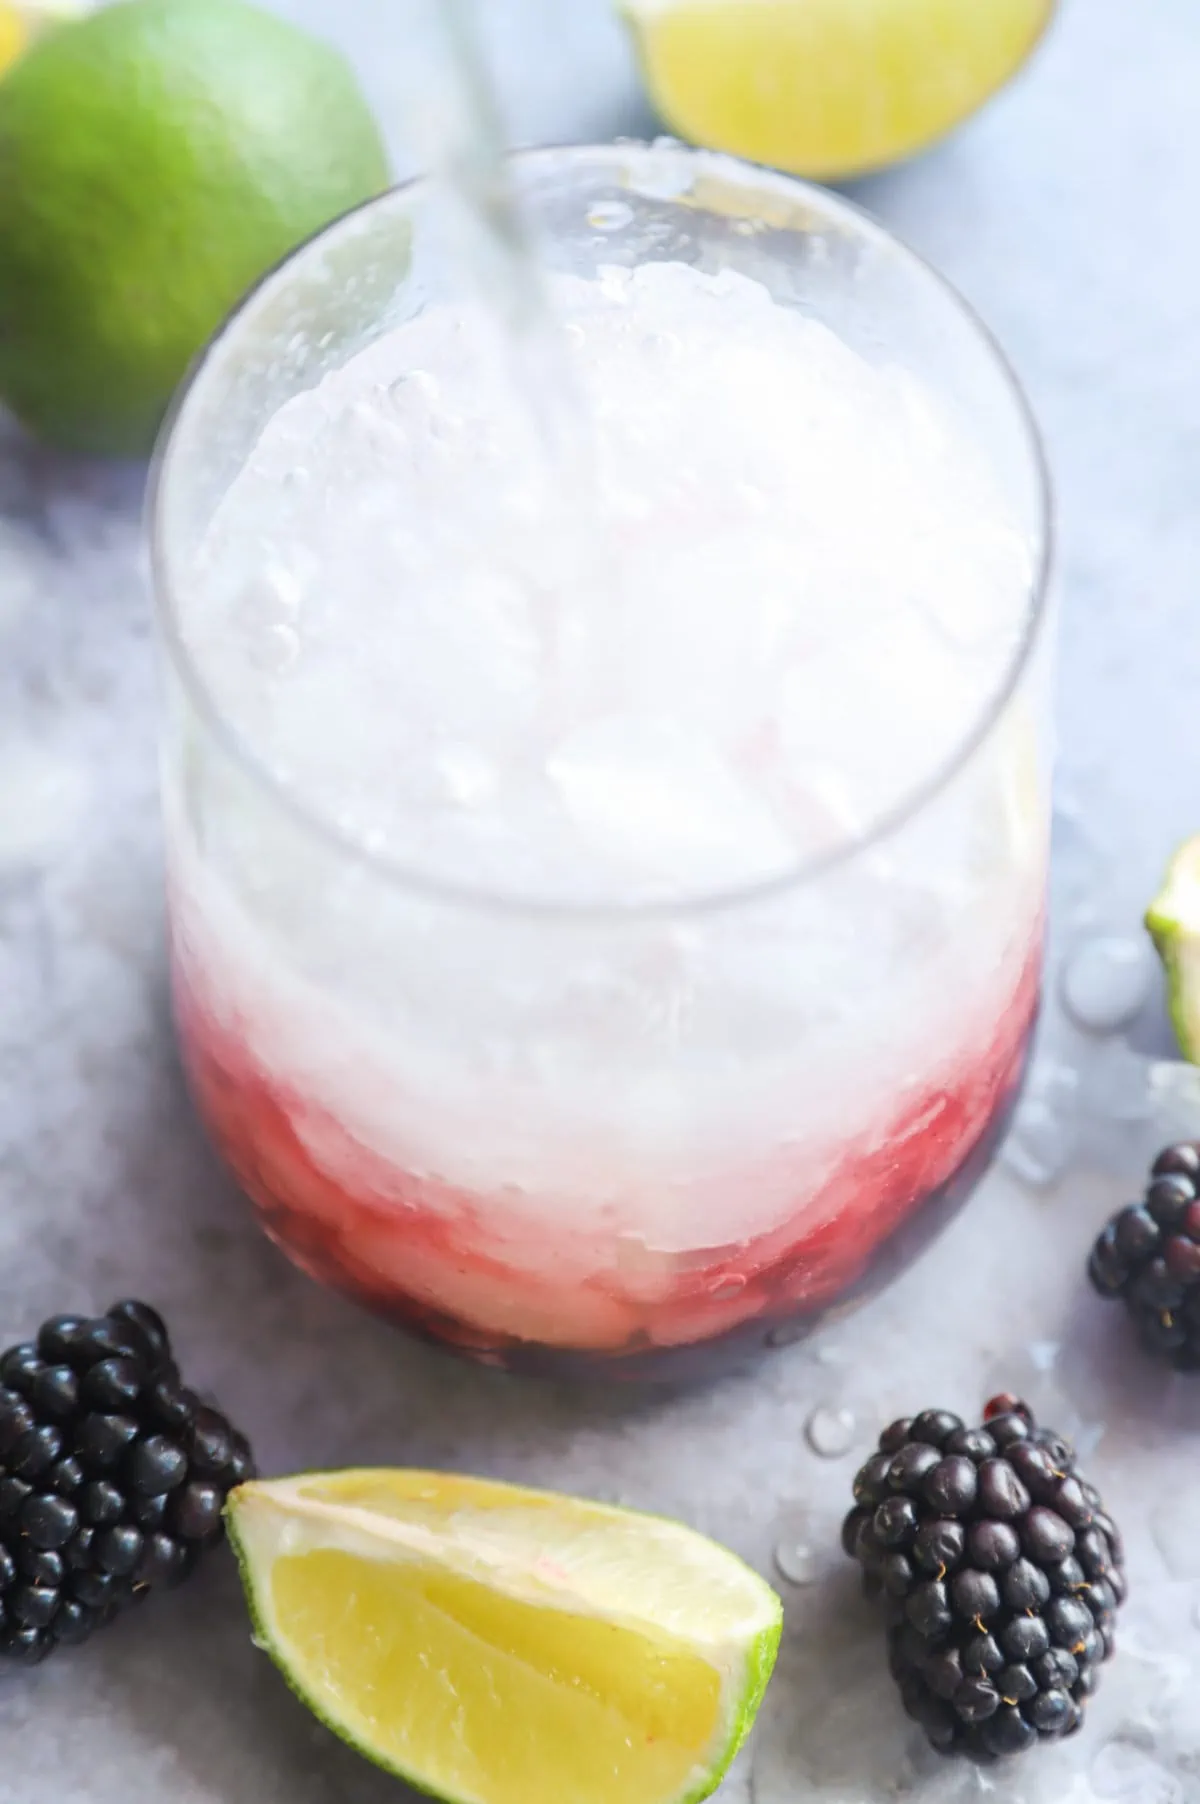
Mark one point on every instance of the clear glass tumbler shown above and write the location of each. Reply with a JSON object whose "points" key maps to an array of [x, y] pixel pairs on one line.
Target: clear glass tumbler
{"points": [[602, 1138]]}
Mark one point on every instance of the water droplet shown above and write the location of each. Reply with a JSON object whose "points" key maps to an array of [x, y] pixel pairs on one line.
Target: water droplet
{"points": [[574, 333], [787, 1334], [610, 216], [728, 1285], [831, 1432], [796, 1561], [1105, 982]]}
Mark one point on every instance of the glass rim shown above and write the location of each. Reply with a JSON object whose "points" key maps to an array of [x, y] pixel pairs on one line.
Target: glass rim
{"points": [[692, 904]]}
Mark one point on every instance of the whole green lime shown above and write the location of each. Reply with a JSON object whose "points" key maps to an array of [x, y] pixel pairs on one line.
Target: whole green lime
{"points": [[156, 157]]}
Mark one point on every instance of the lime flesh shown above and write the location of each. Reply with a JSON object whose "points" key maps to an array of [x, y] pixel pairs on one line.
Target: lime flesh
{"points": [[494, 1645], [828, 88]]}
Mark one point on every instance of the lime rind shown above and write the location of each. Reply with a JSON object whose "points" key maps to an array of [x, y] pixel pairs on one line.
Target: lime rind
{"points": [[1173, 922], [744, 1657]]}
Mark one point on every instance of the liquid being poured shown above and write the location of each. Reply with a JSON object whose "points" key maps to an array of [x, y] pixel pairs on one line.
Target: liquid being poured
{"points": [[457, 130]]}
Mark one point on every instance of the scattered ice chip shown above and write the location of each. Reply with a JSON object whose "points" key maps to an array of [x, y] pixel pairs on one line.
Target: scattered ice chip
{"points": [[1173, 1087], [1045, 1131], [1106, 981]]}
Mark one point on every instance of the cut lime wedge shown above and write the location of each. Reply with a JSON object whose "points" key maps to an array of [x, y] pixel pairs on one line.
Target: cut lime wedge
{"points": [[1174, 922], [493, 1645], [827, 87]]}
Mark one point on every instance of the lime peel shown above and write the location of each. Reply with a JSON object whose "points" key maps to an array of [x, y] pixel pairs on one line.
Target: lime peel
{"points": [[1173, 921]]}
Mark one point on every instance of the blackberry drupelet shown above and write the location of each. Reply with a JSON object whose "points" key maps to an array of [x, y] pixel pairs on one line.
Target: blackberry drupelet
{"points": [[113, 1476], [998, 1571], [1149, 1256]]}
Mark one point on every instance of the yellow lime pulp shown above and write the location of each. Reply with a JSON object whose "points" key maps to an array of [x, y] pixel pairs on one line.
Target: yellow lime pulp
{"points": [[502, 1646], [828, 88]]}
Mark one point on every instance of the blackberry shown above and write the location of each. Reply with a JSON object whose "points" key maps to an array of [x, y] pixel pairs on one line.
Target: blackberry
{"points": [[113, 1476], [1149, 1256], [1000, 1573]]}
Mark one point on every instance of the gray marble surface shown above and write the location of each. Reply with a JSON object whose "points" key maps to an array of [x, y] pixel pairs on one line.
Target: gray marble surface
{"points": [[1066, 213]]}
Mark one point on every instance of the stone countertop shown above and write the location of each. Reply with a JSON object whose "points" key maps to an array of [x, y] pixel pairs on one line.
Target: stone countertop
{"points": [[1066, 214]]}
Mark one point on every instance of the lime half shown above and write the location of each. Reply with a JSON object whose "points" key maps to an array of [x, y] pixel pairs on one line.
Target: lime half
{"points": [[494, 1645], [1174, 922], [157, 157]]}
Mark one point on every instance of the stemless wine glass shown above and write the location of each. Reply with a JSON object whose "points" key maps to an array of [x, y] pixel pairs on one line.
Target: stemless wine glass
{"points": [[557, 1135]]}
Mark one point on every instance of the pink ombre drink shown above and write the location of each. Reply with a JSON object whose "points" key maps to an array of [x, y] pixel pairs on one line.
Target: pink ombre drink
{"points": [[606, 892]]}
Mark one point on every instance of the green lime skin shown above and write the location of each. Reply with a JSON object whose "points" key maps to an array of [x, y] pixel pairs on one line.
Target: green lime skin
{"points": [[156, 158]]}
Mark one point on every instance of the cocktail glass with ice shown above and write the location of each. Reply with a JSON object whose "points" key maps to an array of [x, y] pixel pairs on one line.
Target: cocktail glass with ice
{"points": [[606, 888]]}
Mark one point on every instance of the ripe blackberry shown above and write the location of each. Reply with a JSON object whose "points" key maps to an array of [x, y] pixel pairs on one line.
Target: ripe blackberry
{"points": [[1149, 1256], [113, 1476], [999, 1573]]}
